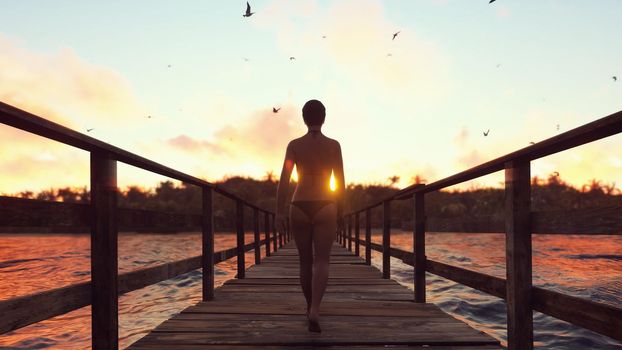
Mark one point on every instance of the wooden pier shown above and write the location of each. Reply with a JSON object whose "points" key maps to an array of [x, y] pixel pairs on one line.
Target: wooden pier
{"points": [[266, 310], [263, 307]]}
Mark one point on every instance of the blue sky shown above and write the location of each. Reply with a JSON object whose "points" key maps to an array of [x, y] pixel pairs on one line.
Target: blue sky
{"points": [[518, 68]]}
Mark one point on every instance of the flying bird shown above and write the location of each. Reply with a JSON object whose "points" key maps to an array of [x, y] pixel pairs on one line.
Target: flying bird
{"points": [[556, 173], [614, 78], [291, 58], [89, 130], [558, 127], [532, 143], [248, 11], [245, 59], [323, 36], [491, 1], [276, 110], [149, 117], [389, 54], [169, 66], [486, 132], [395, 34], [498, 65]]}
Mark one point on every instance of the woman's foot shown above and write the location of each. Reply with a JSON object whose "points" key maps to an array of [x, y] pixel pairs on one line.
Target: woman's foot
{"points": [[314, 324]]}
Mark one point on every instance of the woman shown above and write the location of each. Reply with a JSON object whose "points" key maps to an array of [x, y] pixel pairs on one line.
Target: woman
{"points": [[315, 213]]}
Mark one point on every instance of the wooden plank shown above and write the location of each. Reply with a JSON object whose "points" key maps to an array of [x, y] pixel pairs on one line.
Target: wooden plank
{"points": [[518, 254], [104, 231], [148, 346], [598, 317]]}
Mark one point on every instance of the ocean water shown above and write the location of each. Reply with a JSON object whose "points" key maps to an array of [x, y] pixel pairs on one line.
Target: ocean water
{"points": [[580, 265]]}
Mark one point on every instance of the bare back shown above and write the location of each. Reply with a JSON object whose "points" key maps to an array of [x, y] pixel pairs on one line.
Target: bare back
{"points": [[316, 157]]}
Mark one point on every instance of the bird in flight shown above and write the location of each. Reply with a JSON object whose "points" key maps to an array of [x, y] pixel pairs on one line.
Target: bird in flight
{"points": [[558, 127], [89, 130], [248, 10], [169, 66], [486, 132], [491, 1], [245, 59], [395, 34], [532, 143], [291, 58], [323, 36], [614, 78], [498, 65], [556, 173], [276, 110], [389, 54], [149, 117]]}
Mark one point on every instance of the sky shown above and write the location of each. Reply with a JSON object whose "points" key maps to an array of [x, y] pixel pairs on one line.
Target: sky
{"points": [[416, 105]]}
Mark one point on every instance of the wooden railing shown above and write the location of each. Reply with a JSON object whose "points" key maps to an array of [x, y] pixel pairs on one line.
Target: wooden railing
{"points": [[106, 284], [518, 223]]}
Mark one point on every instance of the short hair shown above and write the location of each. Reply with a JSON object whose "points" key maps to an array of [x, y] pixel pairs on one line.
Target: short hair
{"points": [[313, 113]]}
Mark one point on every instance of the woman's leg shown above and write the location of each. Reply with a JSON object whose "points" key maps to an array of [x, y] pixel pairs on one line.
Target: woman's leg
{"points": [[324, 231], [301, 228]]}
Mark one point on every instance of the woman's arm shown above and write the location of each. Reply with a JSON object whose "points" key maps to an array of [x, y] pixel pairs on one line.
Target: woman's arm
{"points": [[341, 184], [282, 189]]}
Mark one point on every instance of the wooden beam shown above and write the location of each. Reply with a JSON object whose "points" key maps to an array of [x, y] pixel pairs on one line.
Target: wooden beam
{"points": [[350, 232], [105, 307], [357, 234], [239, 225], [368, 236], [266, 228], [518, 254], [207, 244], [386, 239], [257, 238], [274, 233], [419, 246]]}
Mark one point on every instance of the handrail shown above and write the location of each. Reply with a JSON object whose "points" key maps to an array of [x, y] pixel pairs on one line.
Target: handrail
{"points": [[106, 284], [518, 223]]}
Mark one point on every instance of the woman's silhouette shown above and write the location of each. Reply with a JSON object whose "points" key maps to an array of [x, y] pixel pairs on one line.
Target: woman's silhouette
{"points": [[316, 207]]}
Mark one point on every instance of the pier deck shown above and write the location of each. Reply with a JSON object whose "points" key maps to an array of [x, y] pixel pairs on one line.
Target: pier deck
{"points": [[360, 310]]}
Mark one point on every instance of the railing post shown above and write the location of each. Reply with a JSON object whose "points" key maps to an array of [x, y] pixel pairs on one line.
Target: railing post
{"points": [[288, 232], [239, 224], [350, 232], [518, 254], [267, 231], [104, 231], [419, 245], [368, 236], [281, 233], [207, 240], [386, 239], [257, 237], [357, 234], [274, 242], [343, 231]]}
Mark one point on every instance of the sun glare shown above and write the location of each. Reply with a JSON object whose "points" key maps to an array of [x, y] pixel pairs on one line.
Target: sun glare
{"points": [[333, 183], [294, 176]]}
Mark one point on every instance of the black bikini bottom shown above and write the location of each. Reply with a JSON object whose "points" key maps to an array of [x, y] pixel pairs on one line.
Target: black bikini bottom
{"points": [[310, 208]]}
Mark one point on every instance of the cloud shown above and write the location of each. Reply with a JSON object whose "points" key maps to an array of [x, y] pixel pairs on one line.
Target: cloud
{"points": [[65, 89], [187, 143]]}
